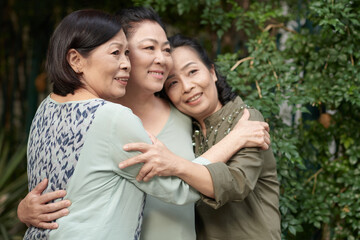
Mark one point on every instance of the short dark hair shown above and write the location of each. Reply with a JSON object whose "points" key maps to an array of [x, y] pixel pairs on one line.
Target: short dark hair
{"points": [[134, 15], [82, 30], [225, 93]]}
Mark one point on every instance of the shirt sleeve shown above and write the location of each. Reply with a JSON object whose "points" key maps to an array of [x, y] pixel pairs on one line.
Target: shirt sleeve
{"points": [[236, 179], [126, 128]]}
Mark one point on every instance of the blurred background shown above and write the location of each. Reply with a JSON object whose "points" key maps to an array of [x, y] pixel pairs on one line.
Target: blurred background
{"points": [[296, 61]]}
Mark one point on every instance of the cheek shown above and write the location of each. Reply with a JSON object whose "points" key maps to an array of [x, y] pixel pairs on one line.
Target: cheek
{"points": [[170, 62], [174, 97]]}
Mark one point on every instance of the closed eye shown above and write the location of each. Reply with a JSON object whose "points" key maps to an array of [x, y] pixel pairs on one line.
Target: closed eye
{"points": [[117, 52], [192, 72], [171, 84]]}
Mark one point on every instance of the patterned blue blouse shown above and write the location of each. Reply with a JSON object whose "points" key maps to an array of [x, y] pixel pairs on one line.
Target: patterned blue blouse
{"points": [[77, 146]]}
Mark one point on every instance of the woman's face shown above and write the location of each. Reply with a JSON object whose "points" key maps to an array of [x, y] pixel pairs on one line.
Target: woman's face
{"points": [[106, 70], [149, 55], [191, 85]]}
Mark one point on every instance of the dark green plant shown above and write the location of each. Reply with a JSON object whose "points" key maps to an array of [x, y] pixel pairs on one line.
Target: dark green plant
{"points": [[13, 186], [305, 60]]}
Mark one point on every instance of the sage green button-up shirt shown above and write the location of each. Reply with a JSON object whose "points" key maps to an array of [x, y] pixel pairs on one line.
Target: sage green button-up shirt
{"points": [[246, 204]]}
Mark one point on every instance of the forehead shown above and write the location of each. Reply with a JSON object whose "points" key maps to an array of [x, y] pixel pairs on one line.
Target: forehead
{"points": [[184, 55], [119, 40], [147, 29]]}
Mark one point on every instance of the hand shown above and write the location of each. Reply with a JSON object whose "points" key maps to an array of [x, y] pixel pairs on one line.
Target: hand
{"points": [[157, 158], [35, 210], [252, 133]]}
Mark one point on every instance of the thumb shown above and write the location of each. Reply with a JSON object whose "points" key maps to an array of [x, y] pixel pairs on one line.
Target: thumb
{"points": [[41, 186], [245, 115]]}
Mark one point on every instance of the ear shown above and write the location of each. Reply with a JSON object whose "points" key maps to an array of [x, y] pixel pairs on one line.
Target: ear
{"points": [[213, 73], [75, 60]]}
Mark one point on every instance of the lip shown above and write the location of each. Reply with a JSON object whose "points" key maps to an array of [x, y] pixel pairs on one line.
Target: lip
{"points": [[194, 99], [122, 79], [156, 74]]}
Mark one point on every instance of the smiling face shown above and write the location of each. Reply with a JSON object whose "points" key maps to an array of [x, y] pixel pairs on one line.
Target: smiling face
{"points": [[191, 85], [150, 57], [105, 71]]}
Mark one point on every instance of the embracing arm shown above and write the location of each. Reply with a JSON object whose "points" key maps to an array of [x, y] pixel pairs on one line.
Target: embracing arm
{"points": [[126, 127], [245, 134], [162, 162], [35, 209]]}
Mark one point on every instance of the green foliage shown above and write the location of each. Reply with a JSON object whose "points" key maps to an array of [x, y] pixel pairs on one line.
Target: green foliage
{"points": [[13, 186], [313, 73], [316, 76]]}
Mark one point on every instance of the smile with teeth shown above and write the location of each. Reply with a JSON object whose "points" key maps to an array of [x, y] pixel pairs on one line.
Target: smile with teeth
{"points": [[156, 73], [121, 79], [194, 98]]}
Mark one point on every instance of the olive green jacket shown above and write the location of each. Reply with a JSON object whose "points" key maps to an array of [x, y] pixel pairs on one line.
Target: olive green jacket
{"points": [[246, 204]]}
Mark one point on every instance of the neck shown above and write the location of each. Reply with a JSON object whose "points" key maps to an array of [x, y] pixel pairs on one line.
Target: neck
{"points": [[79, 95], [200, 119]]}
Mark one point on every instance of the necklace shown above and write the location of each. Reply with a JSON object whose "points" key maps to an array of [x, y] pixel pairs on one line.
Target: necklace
{"points": [[201, 143]]}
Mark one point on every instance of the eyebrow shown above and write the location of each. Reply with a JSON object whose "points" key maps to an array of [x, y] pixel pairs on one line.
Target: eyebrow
{"points": [[170, 76], [173, 75], [117, 43], [154, 41], [188, 64]]}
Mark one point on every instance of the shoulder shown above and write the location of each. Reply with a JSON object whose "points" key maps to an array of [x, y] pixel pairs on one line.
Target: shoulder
{"points": [[255, 115], [111, 110], [179, 115]]}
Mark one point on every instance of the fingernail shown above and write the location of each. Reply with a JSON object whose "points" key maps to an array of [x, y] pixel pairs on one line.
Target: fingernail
{"points": [[121, 165], [125, 147]]}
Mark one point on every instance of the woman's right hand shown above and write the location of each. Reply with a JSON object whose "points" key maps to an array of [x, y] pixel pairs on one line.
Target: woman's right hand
{"points": [[252, 133], [35, 209]]}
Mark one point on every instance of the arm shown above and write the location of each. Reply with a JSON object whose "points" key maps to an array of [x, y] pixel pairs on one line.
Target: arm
{"points": [[157, 156], [35, 209], [125, 127], [245, 134], [236, 179]]}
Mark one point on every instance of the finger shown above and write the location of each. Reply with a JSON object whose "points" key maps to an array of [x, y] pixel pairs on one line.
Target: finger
{"points": [[54, 215], [267, 140], [48, 197], [149, 176], [264, 146], [267, 134], [56, 206], [46, 225], [40, 187], [132, 161], [145, 170], [245, 115], [141, 147], [266, 126]]}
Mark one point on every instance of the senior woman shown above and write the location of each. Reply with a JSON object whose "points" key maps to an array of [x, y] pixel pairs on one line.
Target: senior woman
{"points": [[246, 190], [159, 188], [77, 134]]}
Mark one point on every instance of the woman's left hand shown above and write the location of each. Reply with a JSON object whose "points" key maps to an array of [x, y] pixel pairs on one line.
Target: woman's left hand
{"points": [[157, 158]]}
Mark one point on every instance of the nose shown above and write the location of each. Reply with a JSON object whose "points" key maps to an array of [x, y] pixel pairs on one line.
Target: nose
{"points": [[187, 85], [159, 57], [125, 64]]}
